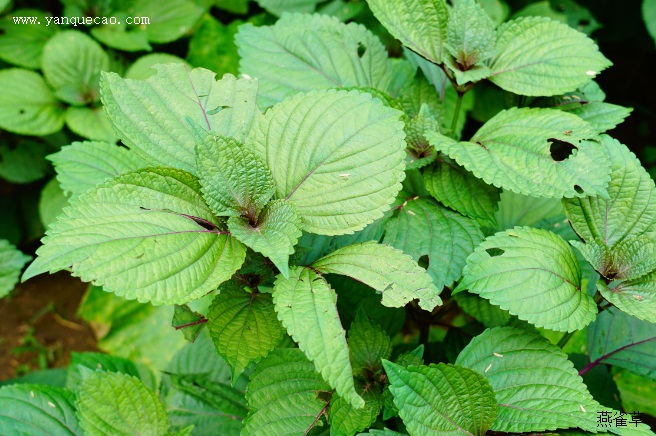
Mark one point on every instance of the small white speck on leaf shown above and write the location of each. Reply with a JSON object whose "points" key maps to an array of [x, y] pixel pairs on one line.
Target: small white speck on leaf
{"points": [[344, 175], [51, 404], [498, 355], [245, 76], [99, 365], [32, 394], [638, 297], [488, 367], [412, 213], [582, 408], [591, 73]]}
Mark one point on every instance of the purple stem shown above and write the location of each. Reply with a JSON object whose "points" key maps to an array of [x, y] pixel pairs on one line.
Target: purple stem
{"points": [[596, 362]]}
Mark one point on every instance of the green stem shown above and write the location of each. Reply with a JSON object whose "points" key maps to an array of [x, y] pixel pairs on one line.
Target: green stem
{"points": [[566, 337], [456, 114]]}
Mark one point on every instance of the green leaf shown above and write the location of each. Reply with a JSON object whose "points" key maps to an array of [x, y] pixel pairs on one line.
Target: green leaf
{"points": [[336, 155], [35, 410], [191, 323], [274, 234], [301, 53], [51, 202], [235, 181], [423, 228], [346, 420], [622, 340], [470, 35], [635, 297], [243, 326], [512, 151], [22, 44], [420, 25], [420, 152], [637, 393], [482, 310], [191, 98], [284, 394], [27, 105], [90, 123], [23, 161], [602, 116], [107, 363], [72, 62], [305, 303], [118, 404], [368, 345], [457, 188], [83, 165], [212, 46], [536, 386], [649, 17], [631, 258], [169, 21], [220, 397], [534, 274], [497, 10], [630, 209], [389, 271], [277, 7], [522, 210], [538, 56], [441, 399], [168, 248], [143, 68], [121, 36]]}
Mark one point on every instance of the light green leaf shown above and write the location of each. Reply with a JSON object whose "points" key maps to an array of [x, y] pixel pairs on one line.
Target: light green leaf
{"points": [[243, 326], [457, 188], [235, 181], [305, 303], [190, 322], [635, 297], [622, 340], [512, 151], [498, 10], [118, 404], [107, 363], [212, 46], [121, 36], [23, 160], [368, 345], [420, 152], [630, 209], [602, 116], [22, 44], [522, 210], [156, 117], [277, 7], [142, 68], [470, 35], [534, 274], [168, 21], [421, 25], [336, 155], [90, 123], [83, 165], [423, 228], [301, 53], [442, 399], [346, 420], [35, 410], [72, 62], [274, 234], [27, 105], [284, 394], [389, 271], [536, 386], [649, 16], [145, 235], [52, 201], [539, 56], [482, 310], [630, 259]]}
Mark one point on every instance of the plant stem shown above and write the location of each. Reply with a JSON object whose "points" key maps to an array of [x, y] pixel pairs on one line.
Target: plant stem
{"points": [[456, 114], [189, 324], [566, 337]]}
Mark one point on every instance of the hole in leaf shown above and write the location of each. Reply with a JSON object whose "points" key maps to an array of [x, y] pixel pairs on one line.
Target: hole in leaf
{"points": [[578, 189], [584, 22], [494, 252], [361, 49], [21, 111], [560, 150], [2, 31], [424, 261]]}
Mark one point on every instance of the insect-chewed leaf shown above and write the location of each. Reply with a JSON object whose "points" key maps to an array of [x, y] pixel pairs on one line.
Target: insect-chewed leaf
{"points": [[442, 399], [539, 56], [83, 165], [337, 155], [235, 181], [306, 305], [156, 117], [536, 386], [534, 274], [306, 52], [636, 297], [387, 270], [629, 210], [420, 25], [513, 151], [146, 235]]}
